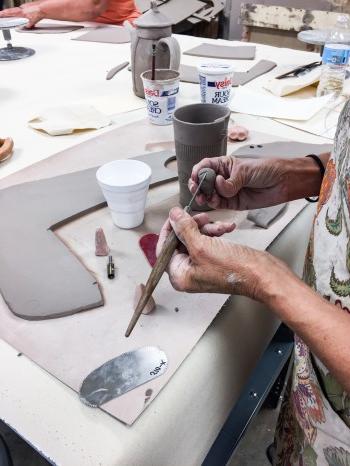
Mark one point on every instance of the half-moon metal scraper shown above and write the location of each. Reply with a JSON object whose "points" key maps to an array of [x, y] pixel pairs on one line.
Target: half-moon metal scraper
{"points": [[122, 374]]}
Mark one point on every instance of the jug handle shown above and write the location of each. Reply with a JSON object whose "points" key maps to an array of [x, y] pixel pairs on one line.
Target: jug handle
{"points": [[174, 51]]}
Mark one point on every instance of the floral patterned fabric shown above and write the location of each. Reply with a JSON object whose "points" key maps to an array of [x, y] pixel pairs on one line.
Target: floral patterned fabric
{"points": [[314, 424]]}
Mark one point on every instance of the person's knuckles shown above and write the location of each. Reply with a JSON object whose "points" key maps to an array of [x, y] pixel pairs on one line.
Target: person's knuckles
{"points": [[183, 224], [226, 188], [184, 282], [178, 282], [192, 186], [187, 228], [201, 219], [159, 246], [198, 249], [200, 199]]}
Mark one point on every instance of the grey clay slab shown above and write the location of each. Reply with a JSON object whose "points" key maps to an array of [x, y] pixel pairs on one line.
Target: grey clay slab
{"points": [[106, 35], [260, 68], [189, 74], [179, 10], [265, 216], [232, 52], [40, 278], [51, 28], [143, 5], [289, 149]]}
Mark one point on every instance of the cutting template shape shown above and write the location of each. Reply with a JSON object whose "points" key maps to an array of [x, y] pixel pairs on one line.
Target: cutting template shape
{"points": [[285, 149], [51, 279]]}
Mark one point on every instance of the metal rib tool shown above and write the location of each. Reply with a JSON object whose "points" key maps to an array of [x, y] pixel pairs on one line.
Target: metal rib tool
{"points": [[169, 247]]}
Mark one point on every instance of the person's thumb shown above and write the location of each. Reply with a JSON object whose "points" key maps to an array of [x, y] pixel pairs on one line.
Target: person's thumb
{"points": [[185, 227]]}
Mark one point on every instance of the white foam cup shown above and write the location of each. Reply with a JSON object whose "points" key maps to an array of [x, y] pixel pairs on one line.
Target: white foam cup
{"points": [[215, 83], [124, 184], [161, 95]]}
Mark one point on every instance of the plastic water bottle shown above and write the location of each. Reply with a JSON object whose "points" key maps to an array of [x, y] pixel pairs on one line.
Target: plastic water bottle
{"points": [[339, 34], [335, 58]]}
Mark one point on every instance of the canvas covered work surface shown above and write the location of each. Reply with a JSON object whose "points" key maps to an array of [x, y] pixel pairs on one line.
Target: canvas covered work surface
{"points": [[71, 347]]}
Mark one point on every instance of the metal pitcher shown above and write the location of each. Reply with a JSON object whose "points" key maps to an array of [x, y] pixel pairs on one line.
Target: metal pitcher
{"points": [[152, 28]]}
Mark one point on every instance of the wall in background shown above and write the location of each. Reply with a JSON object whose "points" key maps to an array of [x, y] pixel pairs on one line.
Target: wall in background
{"points": [[233, 30]]}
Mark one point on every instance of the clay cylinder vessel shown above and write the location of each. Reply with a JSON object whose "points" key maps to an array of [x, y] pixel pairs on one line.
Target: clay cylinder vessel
{"points": [[200, 131]]}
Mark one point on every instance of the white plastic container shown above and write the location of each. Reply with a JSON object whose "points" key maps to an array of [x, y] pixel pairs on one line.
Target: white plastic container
{"points": [[215, 83], [125, 184], [161, 95]]}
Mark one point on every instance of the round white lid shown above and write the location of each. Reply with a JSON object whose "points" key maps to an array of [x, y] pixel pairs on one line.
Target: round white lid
{"points": [[123, 174], [215, 68]]}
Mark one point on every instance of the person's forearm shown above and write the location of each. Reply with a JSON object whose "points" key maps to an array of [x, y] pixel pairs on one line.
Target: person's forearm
{"points": [[79, 10], [304, 176], [324, 327]]}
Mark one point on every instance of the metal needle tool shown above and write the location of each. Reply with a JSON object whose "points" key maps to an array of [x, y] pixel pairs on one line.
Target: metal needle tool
{"points": [[170, 245]]}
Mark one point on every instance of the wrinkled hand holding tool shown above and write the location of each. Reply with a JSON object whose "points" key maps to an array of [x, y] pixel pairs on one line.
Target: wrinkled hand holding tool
{"points": [[206, 185]]}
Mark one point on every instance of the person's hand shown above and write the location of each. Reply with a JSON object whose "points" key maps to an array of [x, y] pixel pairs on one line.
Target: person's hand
{"points": [[31, 11], [205, 264], [243, 184]]}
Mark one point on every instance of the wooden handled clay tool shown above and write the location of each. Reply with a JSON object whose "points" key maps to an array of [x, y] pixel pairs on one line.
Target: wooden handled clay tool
{"points": [[206, 185]]}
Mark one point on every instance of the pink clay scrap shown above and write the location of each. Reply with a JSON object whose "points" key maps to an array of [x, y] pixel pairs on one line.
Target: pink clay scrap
{"points": [[238, 133], [151, 304], [101, 245]]}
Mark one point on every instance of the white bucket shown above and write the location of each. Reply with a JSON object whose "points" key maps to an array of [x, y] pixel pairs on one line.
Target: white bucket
{"points": [[125, 184], [215, 83], [161, 95]]}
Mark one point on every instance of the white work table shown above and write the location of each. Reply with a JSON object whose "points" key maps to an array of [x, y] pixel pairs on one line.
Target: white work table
{"points": [[179, 426]]}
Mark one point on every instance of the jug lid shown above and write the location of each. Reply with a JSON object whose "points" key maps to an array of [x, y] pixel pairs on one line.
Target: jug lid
{"points": [[153, 18]]}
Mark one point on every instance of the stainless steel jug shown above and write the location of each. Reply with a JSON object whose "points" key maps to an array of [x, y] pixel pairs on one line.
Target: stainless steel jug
{"points": [[152, 28]]}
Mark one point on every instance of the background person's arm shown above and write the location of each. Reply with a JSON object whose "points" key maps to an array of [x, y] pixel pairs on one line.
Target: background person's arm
{"points": [[65, 10]]}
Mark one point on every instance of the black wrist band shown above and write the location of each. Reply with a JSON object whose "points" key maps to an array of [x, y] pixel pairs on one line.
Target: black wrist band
{"points": [[322, 170]]}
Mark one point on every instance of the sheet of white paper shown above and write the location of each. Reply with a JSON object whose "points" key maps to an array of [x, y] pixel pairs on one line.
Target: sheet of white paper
{"points": [[115, 104], [254, 103], [65, 120], [324, 123]]}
